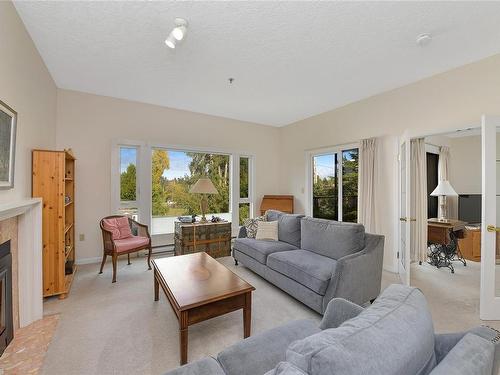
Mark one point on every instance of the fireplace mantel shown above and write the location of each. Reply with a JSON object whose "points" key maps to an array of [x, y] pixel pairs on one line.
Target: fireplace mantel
{"points": [[11, 209], [29, 256]]}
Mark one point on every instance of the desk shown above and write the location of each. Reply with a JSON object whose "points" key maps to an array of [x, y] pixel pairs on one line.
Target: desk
{"points": [[438, 232]]}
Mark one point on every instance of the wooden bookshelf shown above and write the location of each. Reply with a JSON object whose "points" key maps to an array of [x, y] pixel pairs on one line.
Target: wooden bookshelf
{"points": [[54, 182]]}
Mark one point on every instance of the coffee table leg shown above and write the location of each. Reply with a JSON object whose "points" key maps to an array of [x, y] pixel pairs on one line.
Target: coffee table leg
{"points": [[247, 315], [183, 336], [157, 286]]}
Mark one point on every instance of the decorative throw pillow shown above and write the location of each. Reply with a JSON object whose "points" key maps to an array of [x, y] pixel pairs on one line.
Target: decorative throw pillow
{"points": [[267, 230], [119, 227], [251, 225]]}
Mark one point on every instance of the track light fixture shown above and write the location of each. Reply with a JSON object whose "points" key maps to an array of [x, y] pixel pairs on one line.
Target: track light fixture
{"points": [[171, 41], [178, 33]]}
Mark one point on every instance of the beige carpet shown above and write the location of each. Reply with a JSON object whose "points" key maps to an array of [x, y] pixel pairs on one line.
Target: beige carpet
{"points": [[107, 328]]}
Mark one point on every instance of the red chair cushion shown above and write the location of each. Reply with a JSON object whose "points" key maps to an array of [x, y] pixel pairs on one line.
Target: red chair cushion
{"points": [[130, 243], [118, 226]]}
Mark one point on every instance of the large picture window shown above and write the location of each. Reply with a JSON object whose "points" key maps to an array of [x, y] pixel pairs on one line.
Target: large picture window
{"points": [[152, 183], [335, 185], [173, 172]]}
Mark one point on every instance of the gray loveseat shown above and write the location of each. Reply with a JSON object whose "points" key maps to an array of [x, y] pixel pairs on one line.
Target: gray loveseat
{"points": [[393, 336], [316, 260]]}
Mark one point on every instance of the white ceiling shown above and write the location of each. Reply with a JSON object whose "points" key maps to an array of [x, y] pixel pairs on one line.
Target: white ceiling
{"points": [[290, 60]]}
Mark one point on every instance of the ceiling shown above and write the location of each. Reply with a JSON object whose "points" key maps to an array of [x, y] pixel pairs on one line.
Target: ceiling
{"points": [[289, 60]]}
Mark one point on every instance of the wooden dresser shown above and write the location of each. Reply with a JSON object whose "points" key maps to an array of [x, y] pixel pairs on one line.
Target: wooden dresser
{"points": [[470, 244], [212, 238]]}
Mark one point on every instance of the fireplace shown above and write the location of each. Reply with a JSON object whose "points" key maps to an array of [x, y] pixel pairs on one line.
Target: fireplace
{"points": [[6, 321]]}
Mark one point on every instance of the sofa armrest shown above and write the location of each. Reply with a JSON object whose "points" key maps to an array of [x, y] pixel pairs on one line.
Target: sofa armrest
{"points": [[263, 351], [338, 311], [357, 277], [242, 232], [207, 365], [472, 355], [445, 342]]}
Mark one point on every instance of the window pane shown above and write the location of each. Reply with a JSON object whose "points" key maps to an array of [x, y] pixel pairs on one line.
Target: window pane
{"points": [[243, 177], [128, 181], [244, 209], [350, 185], [325, 187], [172, 175]]}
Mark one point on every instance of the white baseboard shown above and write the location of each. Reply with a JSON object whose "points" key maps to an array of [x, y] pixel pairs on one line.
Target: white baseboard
{"points": [[142, 253], [88, 260]]}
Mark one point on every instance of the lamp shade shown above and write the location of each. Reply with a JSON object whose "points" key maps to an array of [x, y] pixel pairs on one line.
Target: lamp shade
{"points": [[444, 188], [203, 186]]}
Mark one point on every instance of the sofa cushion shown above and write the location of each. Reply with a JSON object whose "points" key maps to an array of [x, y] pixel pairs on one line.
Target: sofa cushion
{"points": [[260, 249], [330, 238], [307, 268], [393, 336], [207, 365], [472, 355], [130, 243], [261, 352], [289, 228]]}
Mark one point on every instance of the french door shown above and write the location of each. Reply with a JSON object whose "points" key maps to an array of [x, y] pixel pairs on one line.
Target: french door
{"points": [[490, 223], [403, 254]]}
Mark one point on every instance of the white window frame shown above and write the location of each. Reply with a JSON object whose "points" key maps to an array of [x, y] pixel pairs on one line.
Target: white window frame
{"points": [[115, 175], [236, 190], [310, 154], [144, 183]]}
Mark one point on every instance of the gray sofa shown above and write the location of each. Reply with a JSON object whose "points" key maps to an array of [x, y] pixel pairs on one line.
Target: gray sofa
{"points": [[393, 336], [316, 260]]}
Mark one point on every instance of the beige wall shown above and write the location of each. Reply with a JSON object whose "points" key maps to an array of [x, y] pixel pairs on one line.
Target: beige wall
{"points": [[88, 124], [465, 168], [448, 101], [27, 87]]}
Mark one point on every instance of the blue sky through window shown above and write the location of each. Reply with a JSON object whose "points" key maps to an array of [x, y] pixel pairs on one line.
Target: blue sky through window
{"points": [[127, 156], [325, 165], [179, 165]]}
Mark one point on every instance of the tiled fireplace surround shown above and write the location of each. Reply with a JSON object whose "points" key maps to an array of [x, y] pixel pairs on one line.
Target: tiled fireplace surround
{"points": [[21, 223]]}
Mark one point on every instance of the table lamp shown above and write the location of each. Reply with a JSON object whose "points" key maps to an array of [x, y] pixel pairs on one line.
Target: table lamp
{"points": [[444, 189], [203, 186]]}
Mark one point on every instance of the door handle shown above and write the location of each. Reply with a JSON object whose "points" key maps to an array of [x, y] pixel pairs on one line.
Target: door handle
{"points": [[403, 219], [492, 228]]}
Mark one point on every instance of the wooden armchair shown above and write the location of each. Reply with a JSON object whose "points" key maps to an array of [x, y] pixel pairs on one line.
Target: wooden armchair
{"points": [[118, 239]]}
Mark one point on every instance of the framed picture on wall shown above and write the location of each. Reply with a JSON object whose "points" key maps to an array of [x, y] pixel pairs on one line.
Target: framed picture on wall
{"points": [[8, 119]]}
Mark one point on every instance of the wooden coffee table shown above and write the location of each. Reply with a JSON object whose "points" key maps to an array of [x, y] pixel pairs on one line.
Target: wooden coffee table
{"points": [[200, 288]]}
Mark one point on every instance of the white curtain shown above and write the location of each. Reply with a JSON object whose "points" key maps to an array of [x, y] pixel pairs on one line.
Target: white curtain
{"points": [[367, 180], [443, 168], [418, 212]]}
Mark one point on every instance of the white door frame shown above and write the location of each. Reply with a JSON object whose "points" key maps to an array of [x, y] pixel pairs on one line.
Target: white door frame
{"points": [[489, 308], [404, 219], [412, 134]]}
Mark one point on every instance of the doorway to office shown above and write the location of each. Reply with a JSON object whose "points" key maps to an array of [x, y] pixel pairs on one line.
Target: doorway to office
{"points": [[445, 189]]}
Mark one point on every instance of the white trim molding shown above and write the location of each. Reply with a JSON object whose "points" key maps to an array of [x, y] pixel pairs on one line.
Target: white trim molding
{"points": [[29, 253]]}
